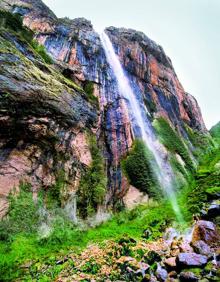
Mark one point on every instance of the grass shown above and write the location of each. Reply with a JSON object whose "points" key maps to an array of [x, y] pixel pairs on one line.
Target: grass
{"points": [[27, 248]]}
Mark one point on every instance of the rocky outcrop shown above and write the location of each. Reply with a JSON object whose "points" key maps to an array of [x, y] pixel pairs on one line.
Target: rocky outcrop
{"points": [[78, 55], [205, 231], [43, 118]]}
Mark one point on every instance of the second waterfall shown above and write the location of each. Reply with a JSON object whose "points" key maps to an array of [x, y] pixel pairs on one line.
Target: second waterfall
{"points": [[139, 117]]}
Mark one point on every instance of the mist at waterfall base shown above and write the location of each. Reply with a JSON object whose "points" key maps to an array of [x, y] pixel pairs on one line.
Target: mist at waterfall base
{"points": [[139, 118]]}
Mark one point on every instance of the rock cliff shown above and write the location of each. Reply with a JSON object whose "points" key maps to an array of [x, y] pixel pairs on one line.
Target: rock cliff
{"points": [[45, 110]]}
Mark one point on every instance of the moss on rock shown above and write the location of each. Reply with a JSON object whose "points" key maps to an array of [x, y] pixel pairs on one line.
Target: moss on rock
{"points": [[138, 168]]}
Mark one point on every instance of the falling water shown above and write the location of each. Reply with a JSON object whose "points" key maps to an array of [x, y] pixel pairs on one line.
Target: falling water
{"points": [[71, 207], [162, 169]]}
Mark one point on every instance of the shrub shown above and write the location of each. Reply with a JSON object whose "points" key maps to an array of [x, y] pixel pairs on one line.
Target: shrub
{"points": [[138, 168], [40, 49], [215, 131], [53, 195], [93, 183], [89, 89], [22, 214], [14, 23], [172, 141]]}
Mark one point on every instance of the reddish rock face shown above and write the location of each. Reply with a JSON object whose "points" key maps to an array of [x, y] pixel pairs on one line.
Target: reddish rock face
{"points": [[42, 121], [78, 54], [148, 66]]}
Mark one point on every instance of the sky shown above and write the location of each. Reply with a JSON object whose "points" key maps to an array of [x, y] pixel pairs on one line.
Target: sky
{"points": [[188, 30]]}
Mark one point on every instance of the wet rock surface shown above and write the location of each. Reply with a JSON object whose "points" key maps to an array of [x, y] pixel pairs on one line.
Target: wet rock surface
{"points": [[78, 54]]}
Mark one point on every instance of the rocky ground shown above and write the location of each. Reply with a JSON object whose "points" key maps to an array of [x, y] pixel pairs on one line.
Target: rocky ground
{"points": [[192, 257]]}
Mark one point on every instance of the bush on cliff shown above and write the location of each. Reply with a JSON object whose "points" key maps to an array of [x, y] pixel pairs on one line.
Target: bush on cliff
{"points": [[89, 89], [40, 49], [93, 183], [22, 214], [215, 131], [137, 167], [14, 23], [172, 141]]}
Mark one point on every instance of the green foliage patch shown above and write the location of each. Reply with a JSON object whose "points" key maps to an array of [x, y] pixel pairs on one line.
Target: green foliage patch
{"points": [[138, 168], [172, 141], [14, 23], [89, 89], [205, 184], [202, 142], [92, 188], [215, 131], [40, 49], [22, 214]]}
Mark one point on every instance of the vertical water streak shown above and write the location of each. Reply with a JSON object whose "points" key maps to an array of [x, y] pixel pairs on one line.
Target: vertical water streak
{"points": [[162, 169]]}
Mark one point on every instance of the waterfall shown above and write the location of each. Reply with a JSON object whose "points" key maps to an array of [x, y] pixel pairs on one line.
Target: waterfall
{"points": [[162, 169], [71, 208]]}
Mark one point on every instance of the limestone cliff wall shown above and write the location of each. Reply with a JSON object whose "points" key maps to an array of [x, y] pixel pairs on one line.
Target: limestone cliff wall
{"points": [[78, 54]]}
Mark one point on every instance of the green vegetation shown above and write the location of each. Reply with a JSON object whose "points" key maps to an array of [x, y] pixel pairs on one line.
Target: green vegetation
{"points": [[89, 89], [53, 197], [215, 131], [13, 22], [25, 246], [22, 214], [40, 49], [30, 249], [92, 188], [202, 142], [172, 141], [205, 184], [138, 168]]}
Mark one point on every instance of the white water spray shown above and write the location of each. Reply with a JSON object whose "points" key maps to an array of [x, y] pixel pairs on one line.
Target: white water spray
{"points": [[71, 207], [162, 170]]}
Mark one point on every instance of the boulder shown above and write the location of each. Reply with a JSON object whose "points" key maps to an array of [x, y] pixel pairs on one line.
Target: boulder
{"points": [[205, 231], [170, 262], [202, 248], [152, 257], [188, 277], [191, 260], [185, 247], [212, 211], [172, 274], [161, 273]]}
